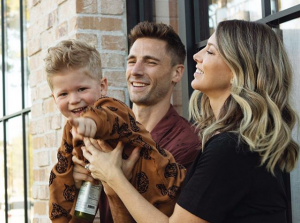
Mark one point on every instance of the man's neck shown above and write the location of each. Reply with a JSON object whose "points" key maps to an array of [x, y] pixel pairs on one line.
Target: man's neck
{"points": [[149, 116]]}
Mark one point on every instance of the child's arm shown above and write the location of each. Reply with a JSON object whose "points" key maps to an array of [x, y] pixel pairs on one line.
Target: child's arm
{"points": [[62, 190], [83, 127]]}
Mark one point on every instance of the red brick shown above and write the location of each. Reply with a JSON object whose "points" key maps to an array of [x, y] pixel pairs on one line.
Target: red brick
{"points": [[33, 2], [61, 30], [66, 11], [86, 6], [115, 78], [38, 142], [109, 42], [34, 46], [112, 7], [32, 128], [47, 38], [118, 94], [35, 61], [44, 91], [35, 77], [51, 140], [40, 126], [55, 122], [49, 105], [99, 23], [35, 13], [43, 192], [73, 24], [37, 110], [42, 159], [87, 37], [51, 19], [40, 208], [112, 60]]}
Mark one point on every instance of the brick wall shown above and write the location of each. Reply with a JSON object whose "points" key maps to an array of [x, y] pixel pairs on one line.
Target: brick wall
{"points": [[100, 22]]}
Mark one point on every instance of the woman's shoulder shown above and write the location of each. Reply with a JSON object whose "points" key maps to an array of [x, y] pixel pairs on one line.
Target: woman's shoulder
{"points": [[227, 143]]}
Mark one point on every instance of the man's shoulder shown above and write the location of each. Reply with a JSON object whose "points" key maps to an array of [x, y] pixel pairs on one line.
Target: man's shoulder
{"points": [[181, 122]]}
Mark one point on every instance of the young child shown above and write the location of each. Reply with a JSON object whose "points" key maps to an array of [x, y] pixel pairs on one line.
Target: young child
{"points": [[78, 89]]}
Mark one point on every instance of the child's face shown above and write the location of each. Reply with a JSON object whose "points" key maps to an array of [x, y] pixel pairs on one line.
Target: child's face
{"points": [[74, 90]]}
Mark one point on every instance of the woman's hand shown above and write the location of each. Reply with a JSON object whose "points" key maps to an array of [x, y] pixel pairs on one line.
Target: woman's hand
{"points": [[106, 163], [80, 173]]}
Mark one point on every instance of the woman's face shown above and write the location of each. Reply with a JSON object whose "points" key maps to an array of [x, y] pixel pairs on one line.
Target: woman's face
{"points": [[212, 76]]}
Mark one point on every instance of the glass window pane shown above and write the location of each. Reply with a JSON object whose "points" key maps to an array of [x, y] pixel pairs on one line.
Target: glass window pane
{"points": [[279, 5], [220, 10], [166, 11], [15, 171], [2, 183], [12, 58], [290, 32]]}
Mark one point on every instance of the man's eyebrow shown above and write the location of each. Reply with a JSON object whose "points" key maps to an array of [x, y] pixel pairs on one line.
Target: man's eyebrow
{"points": [[146, 57], [131, 57]]}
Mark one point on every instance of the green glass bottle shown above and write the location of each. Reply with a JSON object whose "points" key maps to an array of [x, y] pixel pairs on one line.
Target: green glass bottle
{"points": [[87, 201]]}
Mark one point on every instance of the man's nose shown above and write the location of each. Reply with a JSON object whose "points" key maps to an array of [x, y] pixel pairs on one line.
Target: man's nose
{"points": [[138, 68]]}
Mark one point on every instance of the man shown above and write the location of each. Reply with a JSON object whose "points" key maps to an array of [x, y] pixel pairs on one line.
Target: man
{"points": [[154, 67]]}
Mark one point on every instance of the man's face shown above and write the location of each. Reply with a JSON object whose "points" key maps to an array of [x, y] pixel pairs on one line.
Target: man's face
{"points": [[74, 90], [149, 74]]}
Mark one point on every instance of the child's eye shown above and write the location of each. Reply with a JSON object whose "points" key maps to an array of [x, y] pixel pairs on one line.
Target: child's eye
{"points": [[62, 94], [81, 89]]}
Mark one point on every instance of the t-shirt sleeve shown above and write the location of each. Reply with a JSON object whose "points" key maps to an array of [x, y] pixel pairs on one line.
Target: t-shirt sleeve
{"points": [[220, 178]]}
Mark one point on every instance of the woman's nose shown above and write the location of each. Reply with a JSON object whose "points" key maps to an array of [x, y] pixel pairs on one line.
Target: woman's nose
{"points": [[198, 57]]}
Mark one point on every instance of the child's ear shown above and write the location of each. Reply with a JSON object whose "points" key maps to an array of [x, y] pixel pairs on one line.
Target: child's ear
{"points": [[104, 86], [53, 98]]}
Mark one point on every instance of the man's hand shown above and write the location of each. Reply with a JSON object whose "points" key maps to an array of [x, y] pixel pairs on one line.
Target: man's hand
{"points": [[83, 127]]}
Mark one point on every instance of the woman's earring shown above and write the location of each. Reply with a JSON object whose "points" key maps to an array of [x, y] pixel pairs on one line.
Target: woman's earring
{"points": [[231, 81]]}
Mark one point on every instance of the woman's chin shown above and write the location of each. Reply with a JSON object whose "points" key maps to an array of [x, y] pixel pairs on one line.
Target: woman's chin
{"points": [[194, 85]]}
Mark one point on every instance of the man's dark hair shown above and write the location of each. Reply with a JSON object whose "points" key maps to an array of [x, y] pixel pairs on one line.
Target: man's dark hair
{"points": [[160, 31]]}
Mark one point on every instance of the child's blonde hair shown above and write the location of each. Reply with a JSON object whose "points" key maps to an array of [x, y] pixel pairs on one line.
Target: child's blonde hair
{"points": [[73, 54]]}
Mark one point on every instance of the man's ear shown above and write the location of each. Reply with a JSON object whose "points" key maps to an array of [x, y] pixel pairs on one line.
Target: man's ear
{"points": [[178, 72], [104, 86]]}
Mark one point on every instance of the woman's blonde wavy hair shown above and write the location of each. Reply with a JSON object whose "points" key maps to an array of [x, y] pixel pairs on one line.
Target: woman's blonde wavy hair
{"points": [[258, 108]]}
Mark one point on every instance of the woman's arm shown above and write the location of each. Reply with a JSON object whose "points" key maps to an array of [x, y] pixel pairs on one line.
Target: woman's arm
{"points": [[108, 168]]}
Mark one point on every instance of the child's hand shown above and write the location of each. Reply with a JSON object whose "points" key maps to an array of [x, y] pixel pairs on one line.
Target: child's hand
{"points": [[83, 126]]}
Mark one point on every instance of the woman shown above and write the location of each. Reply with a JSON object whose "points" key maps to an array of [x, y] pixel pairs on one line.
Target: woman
{"points": [[244, 78]]}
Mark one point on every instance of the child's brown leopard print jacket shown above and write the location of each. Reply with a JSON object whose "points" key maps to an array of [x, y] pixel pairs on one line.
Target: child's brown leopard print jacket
{"points": [[116, 122]]}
